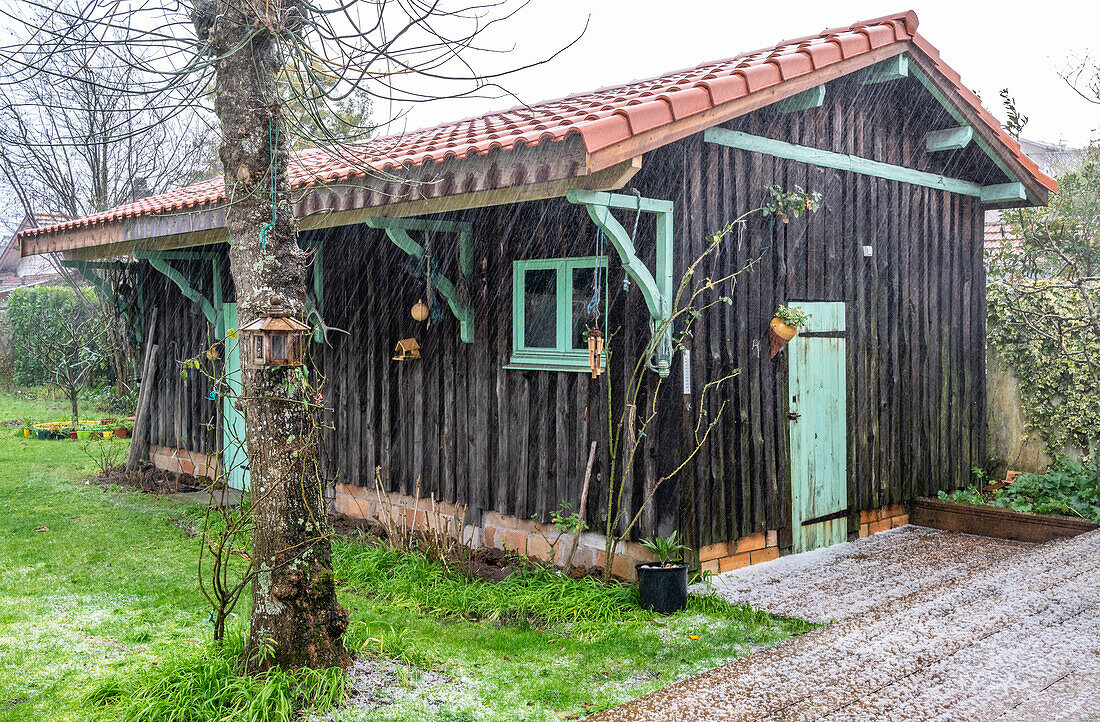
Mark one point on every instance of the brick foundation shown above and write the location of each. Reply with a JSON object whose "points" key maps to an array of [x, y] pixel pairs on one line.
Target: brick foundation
{"points": [[755, 548], [181, 461], [500, 531], [872, 521]]}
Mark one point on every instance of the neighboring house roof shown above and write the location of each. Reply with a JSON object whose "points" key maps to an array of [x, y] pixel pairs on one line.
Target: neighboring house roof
{"points": [[997, 232], [636, 117], [9, 253]]}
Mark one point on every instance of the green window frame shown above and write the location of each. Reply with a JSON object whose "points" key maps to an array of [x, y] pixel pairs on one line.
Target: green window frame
{"points": [[563, 355]]}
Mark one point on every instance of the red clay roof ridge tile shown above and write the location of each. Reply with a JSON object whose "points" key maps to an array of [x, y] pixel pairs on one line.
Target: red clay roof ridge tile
{"points": [[601, 118]]}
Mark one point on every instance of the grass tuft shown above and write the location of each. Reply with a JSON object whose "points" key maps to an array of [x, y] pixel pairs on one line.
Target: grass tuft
{"points": [[207, 685], [534, 595]]}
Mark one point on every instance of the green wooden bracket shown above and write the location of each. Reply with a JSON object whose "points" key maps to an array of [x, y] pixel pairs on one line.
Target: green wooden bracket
{"points": [[923, 79], [948, 139], [159, 261], [459, 302], [317, 305], [656, 288], [87, 270], [812, 98], [1004, 192], [894, 68]]}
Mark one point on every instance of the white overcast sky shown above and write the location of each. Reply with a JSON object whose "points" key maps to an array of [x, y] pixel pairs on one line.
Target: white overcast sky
{"points": [[991, 44]]}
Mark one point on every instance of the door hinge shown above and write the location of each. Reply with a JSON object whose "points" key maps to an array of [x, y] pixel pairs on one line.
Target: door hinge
{"points": [[826, 517]]}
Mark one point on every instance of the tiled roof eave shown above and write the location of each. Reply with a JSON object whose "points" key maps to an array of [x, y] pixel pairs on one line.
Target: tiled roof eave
{"points": [[618, 121]]}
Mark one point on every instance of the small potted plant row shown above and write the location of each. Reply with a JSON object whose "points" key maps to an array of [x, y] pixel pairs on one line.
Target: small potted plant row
{"points": [[663, 582]]}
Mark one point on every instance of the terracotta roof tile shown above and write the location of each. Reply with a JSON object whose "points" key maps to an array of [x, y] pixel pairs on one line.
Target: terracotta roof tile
{"points": [[601, 118]]}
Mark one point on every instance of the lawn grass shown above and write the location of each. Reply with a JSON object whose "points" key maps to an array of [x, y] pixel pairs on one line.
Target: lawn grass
{"points": [[36, 403], [107, 598]]}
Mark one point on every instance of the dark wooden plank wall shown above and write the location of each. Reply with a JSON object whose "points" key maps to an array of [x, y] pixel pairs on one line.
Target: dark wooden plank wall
{"points": [[180, 410], [516, 441]]}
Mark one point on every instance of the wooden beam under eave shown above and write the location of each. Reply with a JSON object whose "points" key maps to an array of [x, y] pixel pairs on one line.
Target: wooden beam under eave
{"points": [[608, 179], [1004, 193], [807, 99], [923, 69], [936, 141], [839, 161], [895, 68]]}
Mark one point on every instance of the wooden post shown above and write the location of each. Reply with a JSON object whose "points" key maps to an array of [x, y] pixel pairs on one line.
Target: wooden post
{"points": [[139, 444]]}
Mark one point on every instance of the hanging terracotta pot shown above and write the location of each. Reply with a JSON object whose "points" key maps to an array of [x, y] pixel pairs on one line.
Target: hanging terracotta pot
{"points": [[781, 333]]}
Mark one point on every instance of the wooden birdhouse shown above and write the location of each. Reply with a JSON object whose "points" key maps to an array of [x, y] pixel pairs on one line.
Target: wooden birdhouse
{"points": [[407, 349], [273, 339]]}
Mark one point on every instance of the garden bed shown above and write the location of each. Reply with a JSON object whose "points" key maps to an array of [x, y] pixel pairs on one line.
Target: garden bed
{"points": [[993, 521]]}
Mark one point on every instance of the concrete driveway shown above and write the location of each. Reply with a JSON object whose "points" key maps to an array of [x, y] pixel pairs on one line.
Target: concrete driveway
{"points": [[925, 625]]}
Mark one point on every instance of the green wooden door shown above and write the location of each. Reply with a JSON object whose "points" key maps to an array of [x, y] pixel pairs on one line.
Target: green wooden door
{"points": [[819, 458], [235, 453]]}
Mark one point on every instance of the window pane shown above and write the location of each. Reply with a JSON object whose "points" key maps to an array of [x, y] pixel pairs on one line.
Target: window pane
{"points": [[586, 305], [540, 326], [278, 346]]}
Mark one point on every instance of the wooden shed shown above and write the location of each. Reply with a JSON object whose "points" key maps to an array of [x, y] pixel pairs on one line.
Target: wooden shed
{"points": [[524, 216]]}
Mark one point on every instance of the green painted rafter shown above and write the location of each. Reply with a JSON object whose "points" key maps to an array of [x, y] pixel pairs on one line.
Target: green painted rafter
{"points": [[865, 166], [924, 80], [1004, 193], [656, 288], [948, 139], [398, 231], [812, 98]]}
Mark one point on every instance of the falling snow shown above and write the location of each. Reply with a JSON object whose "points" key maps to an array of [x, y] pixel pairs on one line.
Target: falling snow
{"points": [[926, 625]]}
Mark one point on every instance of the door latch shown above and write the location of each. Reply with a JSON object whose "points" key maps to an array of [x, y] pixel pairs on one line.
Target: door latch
{"points": [[793, 415]]}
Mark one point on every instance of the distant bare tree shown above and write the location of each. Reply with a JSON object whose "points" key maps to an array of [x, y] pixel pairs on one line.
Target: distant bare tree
{"points": [[236, 54], [74, 140]]}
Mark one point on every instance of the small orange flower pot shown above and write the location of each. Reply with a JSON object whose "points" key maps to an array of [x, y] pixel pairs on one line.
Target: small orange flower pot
{"points": [[781, 334]]}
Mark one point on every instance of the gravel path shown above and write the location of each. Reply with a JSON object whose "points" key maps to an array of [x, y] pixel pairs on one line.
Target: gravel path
{"points": [[929, 626]]}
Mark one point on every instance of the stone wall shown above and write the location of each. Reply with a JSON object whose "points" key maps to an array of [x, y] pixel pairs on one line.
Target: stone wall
{"points": [[181, 461], [1011, 441], [497, 531], [872, 521]]}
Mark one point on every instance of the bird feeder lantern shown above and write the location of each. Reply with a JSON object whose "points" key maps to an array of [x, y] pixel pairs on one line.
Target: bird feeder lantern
{"points": [[274, 339], [407, 349]]}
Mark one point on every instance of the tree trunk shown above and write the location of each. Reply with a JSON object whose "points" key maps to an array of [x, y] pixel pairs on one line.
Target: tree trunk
{"points": [[296, 619], [73, 401]]}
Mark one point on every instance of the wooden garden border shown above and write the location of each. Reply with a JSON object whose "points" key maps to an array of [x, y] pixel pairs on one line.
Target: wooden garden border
{"points": [[994, 521]]}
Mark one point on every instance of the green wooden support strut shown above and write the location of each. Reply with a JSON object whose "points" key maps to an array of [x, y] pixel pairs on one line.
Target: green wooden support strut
{"points": [[866, 166], [656, 287], [958, 138], [398, 231], [159, 261], [894, 68]]}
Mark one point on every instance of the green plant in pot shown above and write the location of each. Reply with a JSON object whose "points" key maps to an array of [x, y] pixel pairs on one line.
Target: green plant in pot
{"points": [[784, 326], [662, 583]]}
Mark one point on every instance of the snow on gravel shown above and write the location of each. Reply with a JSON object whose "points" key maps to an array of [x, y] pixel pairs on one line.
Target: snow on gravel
{"points": [[847, 579], [970, 629]]}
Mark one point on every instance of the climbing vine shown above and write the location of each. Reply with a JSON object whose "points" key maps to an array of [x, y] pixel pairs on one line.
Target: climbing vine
{"points": [[1055, 381]]}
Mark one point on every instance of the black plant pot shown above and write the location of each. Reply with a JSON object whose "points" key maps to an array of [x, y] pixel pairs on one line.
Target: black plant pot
{"points": [[662, 589]]}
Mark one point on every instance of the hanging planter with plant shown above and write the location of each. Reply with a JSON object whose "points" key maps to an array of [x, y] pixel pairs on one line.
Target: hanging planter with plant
{"points": [[784, 326], [662, 583]]}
